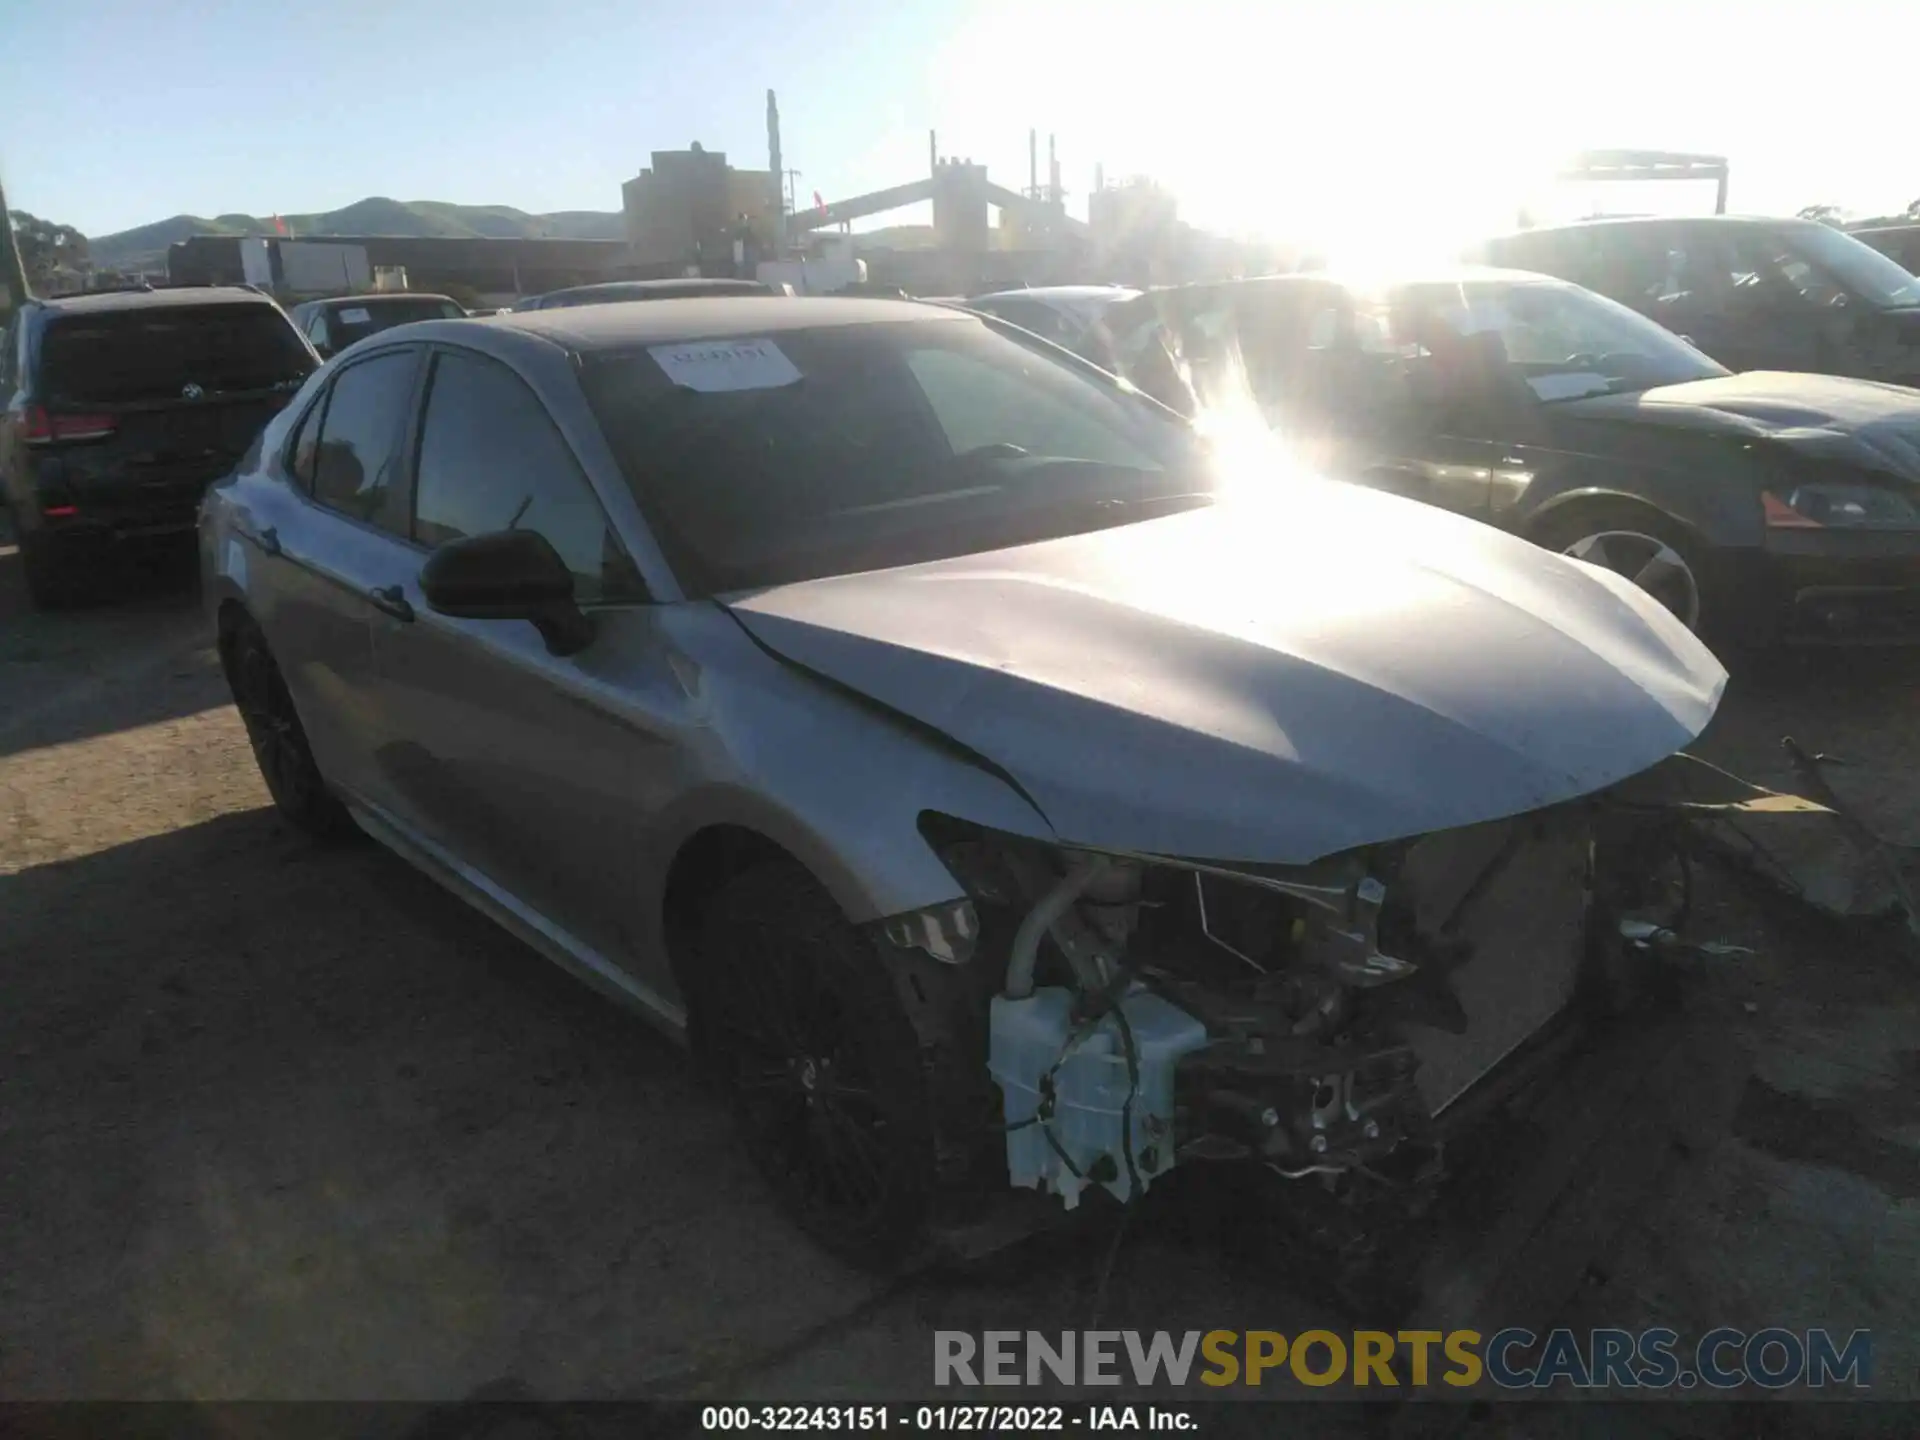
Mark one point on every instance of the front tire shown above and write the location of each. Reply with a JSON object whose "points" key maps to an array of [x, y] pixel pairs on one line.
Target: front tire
{"points": [[798, 1019], [279, 741], [1640, 544]]}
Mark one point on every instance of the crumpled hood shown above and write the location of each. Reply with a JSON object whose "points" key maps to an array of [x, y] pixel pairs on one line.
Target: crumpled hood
{"points": [[1830, 418], [1266, 681]]}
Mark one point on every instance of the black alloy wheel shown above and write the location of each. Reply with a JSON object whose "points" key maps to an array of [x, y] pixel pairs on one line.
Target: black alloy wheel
{"points": [[279, 741], [796, 1015]]}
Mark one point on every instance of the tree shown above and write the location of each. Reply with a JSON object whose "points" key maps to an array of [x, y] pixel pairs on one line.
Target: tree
{"points": [[47, 248], [1913, 210], [13, 278], [1825, 214]]}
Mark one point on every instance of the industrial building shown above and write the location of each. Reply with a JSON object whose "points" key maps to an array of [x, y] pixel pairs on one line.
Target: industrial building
{"points": [[691, 207]]}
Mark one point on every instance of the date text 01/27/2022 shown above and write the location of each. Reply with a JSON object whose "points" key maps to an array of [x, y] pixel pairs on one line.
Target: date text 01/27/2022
{"points": [[974, 1419]]}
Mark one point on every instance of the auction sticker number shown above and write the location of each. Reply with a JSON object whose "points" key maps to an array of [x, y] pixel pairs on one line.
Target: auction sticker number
{"points": [[794, 1417]]}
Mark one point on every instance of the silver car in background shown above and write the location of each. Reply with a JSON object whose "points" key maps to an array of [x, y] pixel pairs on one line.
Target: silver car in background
{"points": [[1006, 789]]}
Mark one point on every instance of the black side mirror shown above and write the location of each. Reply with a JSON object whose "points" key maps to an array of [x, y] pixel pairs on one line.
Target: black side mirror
{"points": [[508, 575]]}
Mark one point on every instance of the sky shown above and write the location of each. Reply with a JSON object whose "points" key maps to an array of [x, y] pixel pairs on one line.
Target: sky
{"points": [[1265, 117]]}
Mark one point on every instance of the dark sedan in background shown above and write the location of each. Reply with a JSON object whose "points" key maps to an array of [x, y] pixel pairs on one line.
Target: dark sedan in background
{"points": [[691, 287], [332, 325], [1757, 507], [1755, 294]]}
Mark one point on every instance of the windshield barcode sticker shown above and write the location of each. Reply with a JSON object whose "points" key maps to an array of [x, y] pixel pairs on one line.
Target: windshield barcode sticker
{"points": [[354, 317], [716, 365]]}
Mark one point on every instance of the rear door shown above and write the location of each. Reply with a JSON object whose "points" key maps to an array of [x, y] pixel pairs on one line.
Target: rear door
{"points": [[324, 546], [179, 394]]}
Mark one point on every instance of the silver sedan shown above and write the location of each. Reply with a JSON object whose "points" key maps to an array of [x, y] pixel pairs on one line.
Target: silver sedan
{"points": [[1006, 789]]}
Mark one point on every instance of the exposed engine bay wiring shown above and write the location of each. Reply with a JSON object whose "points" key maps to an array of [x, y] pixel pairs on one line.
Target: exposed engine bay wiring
{"points": [[1151, 1012]]}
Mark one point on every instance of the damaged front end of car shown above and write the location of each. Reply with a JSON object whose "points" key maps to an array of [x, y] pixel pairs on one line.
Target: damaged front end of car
{"points": [[1336, 1024]]}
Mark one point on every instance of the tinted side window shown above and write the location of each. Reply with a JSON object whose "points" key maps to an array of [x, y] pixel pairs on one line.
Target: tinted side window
{"points": [[303, 445], [1282, 330], [491, 459], [354, 465]]}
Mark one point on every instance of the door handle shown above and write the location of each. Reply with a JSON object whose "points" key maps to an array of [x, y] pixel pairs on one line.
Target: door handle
{"points": [[391, 600]]}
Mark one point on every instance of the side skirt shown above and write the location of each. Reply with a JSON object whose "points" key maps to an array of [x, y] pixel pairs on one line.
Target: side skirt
{"points": [[571, 954]]}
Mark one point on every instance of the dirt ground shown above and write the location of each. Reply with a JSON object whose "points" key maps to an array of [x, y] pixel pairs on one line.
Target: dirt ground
{"points": [[284, 1123]]}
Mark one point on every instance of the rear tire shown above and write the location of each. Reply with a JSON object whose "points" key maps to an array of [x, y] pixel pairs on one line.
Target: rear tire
{"points": [[279, 741], [54, 581], [797, 1017]]}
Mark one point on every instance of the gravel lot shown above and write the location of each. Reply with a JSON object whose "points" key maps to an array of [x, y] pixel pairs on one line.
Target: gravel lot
{"points": [[286, 1123]]}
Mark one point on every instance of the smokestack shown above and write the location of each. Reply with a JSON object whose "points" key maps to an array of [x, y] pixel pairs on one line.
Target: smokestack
{"points": [[1099, 177], [779, 171], [933, 154], [1053, 172], [1033, 162]]}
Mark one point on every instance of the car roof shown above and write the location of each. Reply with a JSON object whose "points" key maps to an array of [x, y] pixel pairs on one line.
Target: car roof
{"points": [[390, 297], [1646, 222], [157, 299], [587, 328], [686, 283], [1358, 279], [1060, 292]]}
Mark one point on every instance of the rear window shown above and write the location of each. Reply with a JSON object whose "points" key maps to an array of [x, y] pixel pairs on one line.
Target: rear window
{"points": [[151, 354], [349, 323]]}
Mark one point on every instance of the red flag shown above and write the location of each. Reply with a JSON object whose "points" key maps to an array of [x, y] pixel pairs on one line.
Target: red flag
{"points": [[280, 225], [818, 203]]}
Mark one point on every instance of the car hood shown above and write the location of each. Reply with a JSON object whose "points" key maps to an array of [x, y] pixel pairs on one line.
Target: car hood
{"points": [[1269, 680], [1862, 423]]}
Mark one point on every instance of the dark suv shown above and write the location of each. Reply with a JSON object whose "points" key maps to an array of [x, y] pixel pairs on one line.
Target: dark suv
{"points": [[1755, 294], [121, 408]]}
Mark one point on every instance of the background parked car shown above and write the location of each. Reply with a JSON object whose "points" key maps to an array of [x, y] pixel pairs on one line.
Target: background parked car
{"points": [[1756, 506], [1754, 294], [1899, 243], [1068, 315], [121, 408], [332, 325], [615, 291]]}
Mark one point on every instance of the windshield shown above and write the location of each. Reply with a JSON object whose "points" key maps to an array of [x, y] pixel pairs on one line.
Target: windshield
{"points": [[154, 354], [824, 451], [1564, 342], [1875, 278], [349, 323]]}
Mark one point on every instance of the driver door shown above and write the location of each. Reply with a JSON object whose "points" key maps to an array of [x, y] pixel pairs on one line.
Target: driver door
{"points": [[532, 771], [1394, 429]]}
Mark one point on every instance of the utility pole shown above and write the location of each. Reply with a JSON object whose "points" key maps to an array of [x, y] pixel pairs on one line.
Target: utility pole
{"points": [[13, 274], [791, 175]]}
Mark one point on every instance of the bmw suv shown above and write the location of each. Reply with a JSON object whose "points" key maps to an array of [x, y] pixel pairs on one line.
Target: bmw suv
{"points": [[121, 407]]}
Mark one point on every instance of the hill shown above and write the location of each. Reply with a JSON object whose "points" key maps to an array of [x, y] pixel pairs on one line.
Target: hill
{"points": [[145, 246]]}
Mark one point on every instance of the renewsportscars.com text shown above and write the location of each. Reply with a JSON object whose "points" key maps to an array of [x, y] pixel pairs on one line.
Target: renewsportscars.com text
{"points": [[1513, 1359]]}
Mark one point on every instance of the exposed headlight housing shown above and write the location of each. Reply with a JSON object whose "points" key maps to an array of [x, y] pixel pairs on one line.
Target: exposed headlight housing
{"points": [[1840, 507]]}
